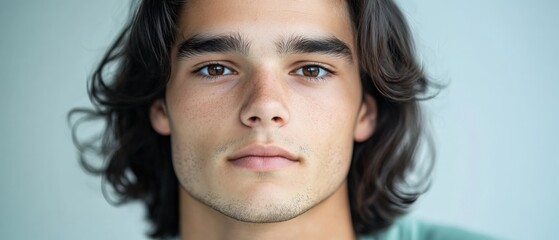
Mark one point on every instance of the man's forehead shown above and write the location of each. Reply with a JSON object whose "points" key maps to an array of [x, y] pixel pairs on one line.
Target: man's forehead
{"points": [[196, 4], [287, 26], [239, 15]]}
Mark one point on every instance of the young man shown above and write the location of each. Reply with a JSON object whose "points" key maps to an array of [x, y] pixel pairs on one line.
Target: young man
{"points": [[238, 119]]}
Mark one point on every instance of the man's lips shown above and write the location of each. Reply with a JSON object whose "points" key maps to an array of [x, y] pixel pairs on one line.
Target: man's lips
{"points": [[263, 157]]}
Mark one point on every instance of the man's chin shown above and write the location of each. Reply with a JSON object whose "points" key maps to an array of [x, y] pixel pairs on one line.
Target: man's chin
{"points": [[261, 208], [271, 213]]}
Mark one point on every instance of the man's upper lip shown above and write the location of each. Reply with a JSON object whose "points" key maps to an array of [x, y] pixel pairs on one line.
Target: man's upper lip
{"points": [[262, 151]]}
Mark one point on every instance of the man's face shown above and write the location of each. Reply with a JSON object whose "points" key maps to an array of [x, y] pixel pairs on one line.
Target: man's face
{"points": [[263, 105]]}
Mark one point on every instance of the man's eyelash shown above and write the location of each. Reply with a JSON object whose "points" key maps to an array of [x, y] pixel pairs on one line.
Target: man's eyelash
{"points": [[328, 72], [198, 70], [320, 66]]}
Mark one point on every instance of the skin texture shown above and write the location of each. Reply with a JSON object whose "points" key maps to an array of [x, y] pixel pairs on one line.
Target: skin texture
{"points": [[264, 97]]}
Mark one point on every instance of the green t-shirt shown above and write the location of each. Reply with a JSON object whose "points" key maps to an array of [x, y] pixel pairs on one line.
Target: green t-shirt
{"points": [[410, 229]]}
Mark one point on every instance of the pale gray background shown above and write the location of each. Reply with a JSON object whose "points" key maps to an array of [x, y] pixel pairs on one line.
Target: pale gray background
{"points": [[495, 126]]}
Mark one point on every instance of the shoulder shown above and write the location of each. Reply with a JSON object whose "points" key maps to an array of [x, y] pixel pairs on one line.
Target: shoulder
{"points": [[418, 230]]}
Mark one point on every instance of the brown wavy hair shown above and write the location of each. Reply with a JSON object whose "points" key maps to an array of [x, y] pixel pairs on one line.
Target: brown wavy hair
{"points": [[137, 161]]}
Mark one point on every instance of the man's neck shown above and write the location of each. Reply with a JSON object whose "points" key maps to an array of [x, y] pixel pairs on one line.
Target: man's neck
{"points": [[331, 219]]}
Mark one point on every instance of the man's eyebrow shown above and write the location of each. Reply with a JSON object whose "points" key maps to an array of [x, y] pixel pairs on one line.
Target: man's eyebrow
{"points": [[325, 45], [200, 44]]}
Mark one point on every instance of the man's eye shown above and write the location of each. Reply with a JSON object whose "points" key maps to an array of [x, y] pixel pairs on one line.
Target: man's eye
{"points": [[312, 71], [214, 70]]}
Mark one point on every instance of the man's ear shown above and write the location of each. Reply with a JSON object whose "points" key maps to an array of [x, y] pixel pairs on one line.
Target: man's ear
{"points": [[159, 117], [366, 120]]}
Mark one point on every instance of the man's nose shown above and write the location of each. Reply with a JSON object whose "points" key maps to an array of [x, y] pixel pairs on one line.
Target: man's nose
{"points": [[265, 101]]}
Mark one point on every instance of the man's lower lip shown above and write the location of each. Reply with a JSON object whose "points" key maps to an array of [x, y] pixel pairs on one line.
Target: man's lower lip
{"points": [[262, 163]]}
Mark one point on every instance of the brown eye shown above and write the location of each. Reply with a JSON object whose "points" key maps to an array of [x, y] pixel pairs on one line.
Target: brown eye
{"points": [[214, 70], [310, 71]]}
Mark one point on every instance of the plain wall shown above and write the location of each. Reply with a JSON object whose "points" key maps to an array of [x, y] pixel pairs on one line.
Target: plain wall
{"points": [[495, 125]]}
